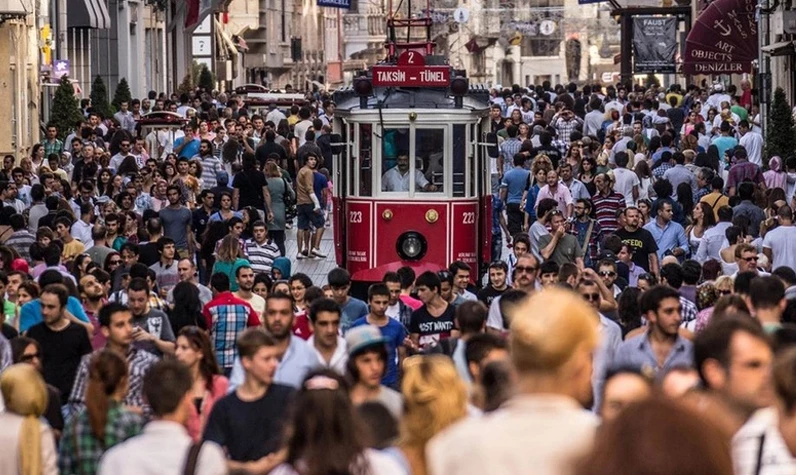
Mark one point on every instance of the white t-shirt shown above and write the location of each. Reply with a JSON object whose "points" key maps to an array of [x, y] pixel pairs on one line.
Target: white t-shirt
{"points": [[625, 181], [753, 143], [300, 131], [782, 242]]}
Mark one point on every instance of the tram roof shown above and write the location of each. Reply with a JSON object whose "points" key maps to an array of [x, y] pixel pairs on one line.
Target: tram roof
{"points": [[388, 98]]}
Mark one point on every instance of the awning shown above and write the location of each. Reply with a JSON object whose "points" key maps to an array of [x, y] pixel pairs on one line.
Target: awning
{"points": [[783, 48], [88, 14], [225, 43]]}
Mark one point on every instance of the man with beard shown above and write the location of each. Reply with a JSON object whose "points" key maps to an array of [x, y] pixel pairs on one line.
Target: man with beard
{"points": [[525, 273], [296, 357], [587, 230], [187, 272], [116, 325], [93, 296], [497, 283], [87, 155], [245, 277], [152, 330], [640, 241], [661, 347]]}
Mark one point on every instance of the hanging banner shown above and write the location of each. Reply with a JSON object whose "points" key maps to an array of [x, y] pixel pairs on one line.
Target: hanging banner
{"points": [[346, 4], [654, 44]]}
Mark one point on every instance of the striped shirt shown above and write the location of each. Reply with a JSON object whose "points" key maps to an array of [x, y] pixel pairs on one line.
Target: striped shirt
{"points": [[227, 317], [21, 241], [605, 208], [261, 256], [211, 165]]}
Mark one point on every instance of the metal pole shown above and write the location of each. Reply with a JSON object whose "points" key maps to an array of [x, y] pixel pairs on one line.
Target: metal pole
{"points": [[62, 37], [627, 48], [763, 64]]}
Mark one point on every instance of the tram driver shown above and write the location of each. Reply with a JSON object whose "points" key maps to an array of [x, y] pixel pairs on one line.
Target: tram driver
{"points": [[397, 177]]}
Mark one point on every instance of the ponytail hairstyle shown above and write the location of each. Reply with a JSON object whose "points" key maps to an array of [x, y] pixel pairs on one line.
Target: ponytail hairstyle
{"points": [[107, 372]]}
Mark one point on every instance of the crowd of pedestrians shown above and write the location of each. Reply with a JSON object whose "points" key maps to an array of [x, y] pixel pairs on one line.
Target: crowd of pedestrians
{"points": [[641, 320]]}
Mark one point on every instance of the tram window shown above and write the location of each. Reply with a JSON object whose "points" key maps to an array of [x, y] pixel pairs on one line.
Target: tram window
{"points": [[459, 160], [430, 157], [365, 160], [395, 161]]}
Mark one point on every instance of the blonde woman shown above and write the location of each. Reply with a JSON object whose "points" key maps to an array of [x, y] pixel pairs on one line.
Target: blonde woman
{"points": [[435, 397], [27, 447]]}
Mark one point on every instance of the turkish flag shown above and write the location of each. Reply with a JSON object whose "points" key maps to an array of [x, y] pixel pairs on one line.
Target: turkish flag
{"points": [[192, 13]]}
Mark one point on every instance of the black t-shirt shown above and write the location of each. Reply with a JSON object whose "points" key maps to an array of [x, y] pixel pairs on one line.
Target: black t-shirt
{"points": [[9, 332], [432, 329], [250, 430], [488, 294], [250, 184], [61, 354], [148, 253], [642, 243]]}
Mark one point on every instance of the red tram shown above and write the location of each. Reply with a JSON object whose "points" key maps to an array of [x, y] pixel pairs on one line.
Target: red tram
{"points": [[412, 183]]}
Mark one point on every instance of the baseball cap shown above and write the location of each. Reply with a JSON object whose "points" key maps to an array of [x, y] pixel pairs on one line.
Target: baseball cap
{"points": [[359, 338]]}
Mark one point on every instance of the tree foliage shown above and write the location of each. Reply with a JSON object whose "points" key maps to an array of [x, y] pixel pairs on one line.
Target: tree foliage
{"points": [[780, 138], [99, 97], [206, 80], [186, 86], [66, 108], [122, 94]]}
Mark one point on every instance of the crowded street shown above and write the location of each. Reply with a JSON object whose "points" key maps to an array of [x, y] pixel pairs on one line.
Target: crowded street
{"points": [[416, 265]]}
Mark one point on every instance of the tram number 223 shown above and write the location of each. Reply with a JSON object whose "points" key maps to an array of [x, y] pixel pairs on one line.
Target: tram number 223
{"points": [[468, 217], [355, 217]]}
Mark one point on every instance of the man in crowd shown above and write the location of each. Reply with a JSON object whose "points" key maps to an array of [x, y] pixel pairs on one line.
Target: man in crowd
{"points": [[330, 347], [244, 275], [227, 317], [260, 250], [366, 367], [296, 357], [641, 242], [393, 331], [152, 330], [340, 283], [187, 271], [435, 319], [62, 341], [165, 269], [177, 222], [116, 325]]}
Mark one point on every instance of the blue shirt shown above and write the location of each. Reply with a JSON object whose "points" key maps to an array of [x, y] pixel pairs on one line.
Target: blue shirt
{"points": [[190, 150], [396, 334], [497, 208], [668, 238], [724, 143], [352, 311], [319, 184], [30, 313], [637, 353], [516, 182], [299, 359]]}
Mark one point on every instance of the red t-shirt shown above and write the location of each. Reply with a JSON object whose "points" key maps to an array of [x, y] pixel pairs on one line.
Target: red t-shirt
{"points": [[301, 325]]}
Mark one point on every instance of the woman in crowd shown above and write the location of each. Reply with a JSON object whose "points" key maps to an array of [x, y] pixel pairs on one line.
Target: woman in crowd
{"points": [[225, 211], [644, 175], [80, 266], [27, 446], [281, 194], [194, 350], [703, 219], [104, 183], [299, 283], [588, 170], [735, 236], [435, 397], [229, 260], [158, 192], [112, 261], [326, 436], [187, 308], [27, 350], [104, 422]]}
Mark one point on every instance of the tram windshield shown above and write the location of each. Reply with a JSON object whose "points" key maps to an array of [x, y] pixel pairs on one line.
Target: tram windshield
{"points": [[412, 160]]}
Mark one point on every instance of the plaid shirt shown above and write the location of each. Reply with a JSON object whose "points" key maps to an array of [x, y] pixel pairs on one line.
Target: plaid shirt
{"points": [[56, 147], [138, 364], [744, 170], [566, 127], [508, 149], [80, 451], [659, 172], [227, 316], [689, 311]]}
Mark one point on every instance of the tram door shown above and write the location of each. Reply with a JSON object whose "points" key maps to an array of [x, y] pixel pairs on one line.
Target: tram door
{"points": [[341, 170], [487, 151]]}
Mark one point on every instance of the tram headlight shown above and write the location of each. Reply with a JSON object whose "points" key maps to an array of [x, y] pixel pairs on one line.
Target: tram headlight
{"points": [[412, 246]]}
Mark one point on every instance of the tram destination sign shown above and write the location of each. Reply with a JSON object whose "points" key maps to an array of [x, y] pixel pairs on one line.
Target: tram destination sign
{"points": [[411, 76]]}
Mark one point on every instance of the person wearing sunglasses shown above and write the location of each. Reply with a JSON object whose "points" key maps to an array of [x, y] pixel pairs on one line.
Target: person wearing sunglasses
{"points": [[524, 278], [28, 351], [607, 271], [746, 259]]}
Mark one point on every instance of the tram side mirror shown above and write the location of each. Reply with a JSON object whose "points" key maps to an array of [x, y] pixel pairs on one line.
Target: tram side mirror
{"points": [[492, 145], [336, 141]]}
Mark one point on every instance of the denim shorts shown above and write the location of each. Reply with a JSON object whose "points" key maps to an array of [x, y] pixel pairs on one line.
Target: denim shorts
{"points": [[308, 218]]}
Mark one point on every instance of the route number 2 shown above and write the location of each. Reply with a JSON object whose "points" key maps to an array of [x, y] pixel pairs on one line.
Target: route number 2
{"points": [[468, 218], [355, 216]]}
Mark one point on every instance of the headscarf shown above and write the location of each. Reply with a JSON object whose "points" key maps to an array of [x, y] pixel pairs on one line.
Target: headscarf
{"points": [[775, 177], [155, 189], [283, 264], [25, 394]]}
